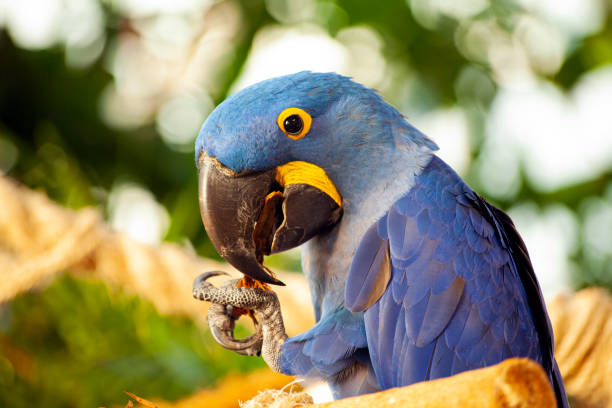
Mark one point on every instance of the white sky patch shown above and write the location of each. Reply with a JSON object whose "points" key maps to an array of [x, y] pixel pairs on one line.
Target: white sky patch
{"points": [[543, 43], [171, 61], [485, 41], [533, 120], [576, 17], [180, 117], [280, 51], [367, 64], [33, 24], [167, 36], [38, 24], [592, 97], [562, 139], [83, 32], [550, 238], [131, 100], [536, 46], [498, 167], [134, 211], [449, 129], [125, 113], [83, 22]]}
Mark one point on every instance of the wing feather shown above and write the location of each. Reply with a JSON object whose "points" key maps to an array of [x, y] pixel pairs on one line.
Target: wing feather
{"points": [[460, 292], [369, 273]]}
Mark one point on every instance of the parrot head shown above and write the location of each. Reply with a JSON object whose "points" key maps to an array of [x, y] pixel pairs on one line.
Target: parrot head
{"points": [[272, 159]]}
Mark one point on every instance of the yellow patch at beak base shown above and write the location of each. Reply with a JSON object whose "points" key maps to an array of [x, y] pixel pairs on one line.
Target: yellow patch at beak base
{"points": [[301, 172]]}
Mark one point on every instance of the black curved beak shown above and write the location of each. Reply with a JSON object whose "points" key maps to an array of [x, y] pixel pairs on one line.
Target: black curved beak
{"points": [[251, 215]]}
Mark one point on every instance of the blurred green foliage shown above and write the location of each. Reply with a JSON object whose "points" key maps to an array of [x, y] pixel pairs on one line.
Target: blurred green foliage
{"points": [[77, 344]]}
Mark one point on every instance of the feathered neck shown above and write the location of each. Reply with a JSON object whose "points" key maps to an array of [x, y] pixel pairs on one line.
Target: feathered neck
{"points": [[372, 182]]}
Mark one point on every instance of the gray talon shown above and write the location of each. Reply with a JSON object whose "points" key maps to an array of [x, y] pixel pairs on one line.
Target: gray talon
{"points": [[202, 278], [222, 328]]}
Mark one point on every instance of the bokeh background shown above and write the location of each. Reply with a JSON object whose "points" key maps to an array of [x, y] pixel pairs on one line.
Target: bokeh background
{"points": [[101, 101]]}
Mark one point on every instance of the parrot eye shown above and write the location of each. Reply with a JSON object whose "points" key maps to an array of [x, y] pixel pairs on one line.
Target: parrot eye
{"points": [[294, 122]]}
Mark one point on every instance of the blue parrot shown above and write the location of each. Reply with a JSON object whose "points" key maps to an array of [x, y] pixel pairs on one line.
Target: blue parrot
{"points": [[413, 275]]}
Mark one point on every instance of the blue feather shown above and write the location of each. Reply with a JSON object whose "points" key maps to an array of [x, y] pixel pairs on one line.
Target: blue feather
{"points": [[440, 310], [444, 279], [451, 306], [327, 348], [441, 361], [369, 272]]}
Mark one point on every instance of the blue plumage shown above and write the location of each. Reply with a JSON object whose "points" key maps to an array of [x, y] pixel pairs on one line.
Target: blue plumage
{"points": [[332, 347], [421, 278], [457, 299]]}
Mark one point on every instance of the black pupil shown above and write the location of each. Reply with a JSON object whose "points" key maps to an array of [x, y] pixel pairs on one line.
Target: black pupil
{"points": [[293, 124]]}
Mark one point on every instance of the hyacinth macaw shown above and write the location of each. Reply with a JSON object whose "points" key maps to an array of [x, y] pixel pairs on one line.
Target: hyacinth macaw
{"points": [[413, 275]]}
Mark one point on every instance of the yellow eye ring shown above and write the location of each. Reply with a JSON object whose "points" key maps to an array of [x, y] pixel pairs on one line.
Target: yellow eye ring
{"points": [[294, 122]]}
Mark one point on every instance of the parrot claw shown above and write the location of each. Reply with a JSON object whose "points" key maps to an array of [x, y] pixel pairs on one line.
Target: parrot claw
{"points": [[222, 319], [222, 322], [202, 278], [224, 311]]}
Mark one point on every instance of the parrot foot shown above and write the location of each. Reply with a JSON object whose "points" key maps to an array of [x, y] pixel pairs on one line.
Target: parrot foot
{"points": [[270, 329]]}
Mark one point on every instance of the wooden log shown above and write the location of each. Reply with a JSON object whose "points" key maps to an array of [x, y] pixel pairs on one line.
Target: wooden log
{"points": [[516, 382]]}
